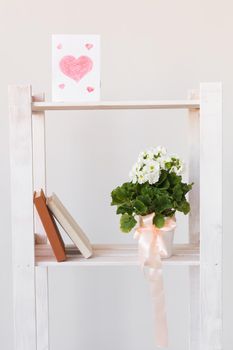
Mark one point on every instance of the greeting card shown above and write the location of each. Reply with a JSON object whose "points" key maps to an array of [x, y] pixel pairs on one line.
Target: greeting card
{"points": [[76, 68]]}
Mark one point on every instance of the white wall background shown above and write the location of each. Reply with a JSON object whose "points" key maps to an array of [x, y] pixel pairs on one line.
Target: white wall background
{"points": [[150, 50]]}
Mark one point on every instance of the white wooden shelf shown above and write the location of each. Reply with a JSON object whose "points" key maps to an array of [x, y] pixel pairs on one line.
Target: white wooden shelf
{"points": [[176, 104], [31, 262], [115, 255]]}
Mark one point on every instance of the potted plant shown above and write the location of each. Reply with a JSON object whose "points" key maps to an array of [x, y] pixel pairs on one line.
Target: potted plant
{"points": [[153, 195]]}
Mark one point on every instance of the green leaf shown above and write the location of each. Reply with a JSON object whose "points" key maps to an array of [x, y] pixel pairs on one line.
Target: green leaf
{"points": [[165, 185], [184, 207], [162, 202], [158, 220], [127, 223], [140, 207], [124, 208], [118, 196], [174, 179], [164, 198], [162, 177], [186, 187], [145, 199], [177, 192], [169, 212], [147, 189], [123, 193]]}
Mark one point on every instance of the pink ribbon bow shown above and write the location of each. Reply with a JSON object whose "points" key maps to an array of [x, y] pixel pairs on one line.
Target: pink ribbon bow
{"points": [[151, 248]]}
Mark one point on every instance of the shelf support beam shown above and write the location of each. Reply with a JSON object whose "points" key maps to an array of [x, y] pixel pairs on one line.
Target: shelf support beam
{"points": [[42, 308], [109, 105], [39, 164], [211, 216], [194, 221], [20, 115]]}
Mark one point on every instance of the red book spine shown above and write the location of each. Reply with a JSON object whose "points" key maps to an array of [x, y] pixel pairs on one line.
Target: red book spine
{"points": [[50, 226]]}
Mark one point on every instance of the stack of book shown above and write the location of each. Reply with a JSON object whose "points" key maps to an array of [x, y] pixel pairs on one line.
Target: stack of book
{"points": [[51, 211]]}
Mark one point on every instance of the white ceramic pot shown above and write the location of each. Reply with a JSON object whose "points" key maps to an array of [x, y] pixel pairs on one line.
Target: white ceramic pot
{"points": [[166, 241], [165, 235]]}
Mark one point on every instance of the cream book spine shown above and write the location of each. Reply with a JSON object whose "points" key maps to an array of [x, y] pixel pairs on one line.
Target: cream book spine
{"points": [[69, 225]]}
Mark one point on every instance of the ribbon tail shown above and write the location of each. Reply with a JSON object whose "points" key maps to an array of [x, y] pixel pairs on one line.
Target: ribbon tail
{"points": [[150, 260], [158, 300]]}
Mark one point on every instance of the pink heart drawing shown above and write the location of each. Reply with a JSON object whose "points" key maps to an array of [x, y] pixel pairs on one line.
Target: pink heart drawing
{"points": [[59, 46], [89, 46], [90, 89], [61, 86], [76, 68]]}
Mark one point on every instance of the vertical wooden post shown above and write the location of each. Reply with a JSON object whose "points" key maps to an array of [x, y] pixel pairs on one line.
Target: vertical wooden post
{"points": [[194, 222], [211, 216], [39, 163], [42, 308], [22, 217], [39, 181]]}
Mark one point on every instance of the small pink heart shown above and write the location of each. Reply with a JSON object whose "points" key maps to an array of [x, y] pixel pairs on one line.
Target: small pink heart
{"points": [[61, 86], [75, 68], [89, 46], [59, 46], [90, 89]]}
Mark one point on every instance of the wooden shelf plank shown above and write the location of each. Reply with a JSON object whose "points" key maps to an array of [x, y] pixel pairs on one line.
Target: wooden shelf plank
{"points": [[115, 255], [102, 105]]}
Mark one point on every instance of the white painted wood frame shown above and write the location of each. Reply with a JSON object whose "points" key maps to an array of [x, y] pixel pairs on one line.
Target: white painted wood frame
{"points": [[39, 182], [116, 255], [42, 307], [102, 105], [194, 221], [39, 163], [211, 216], [20, 115], [28, 173]]}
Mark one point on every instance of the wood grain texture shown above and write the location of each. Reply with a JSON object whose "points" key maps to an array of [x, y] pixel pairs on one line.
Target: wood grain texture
{"points": [[39, 163], [194, 307], [176, 104], [211, 216], [194, 171], [39, 182], [22, 216], [116, 255], [42, 308], [194, 221]]}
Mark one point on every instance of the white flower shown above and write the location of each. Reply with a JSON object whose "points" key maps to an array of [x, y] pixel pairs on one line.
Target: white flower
{"points": [[163, 161], [150, 163], [153, 171], [160, 151], [152, 166], [133, 178], [150, 154], [145, 156], [135, 168], [142, 177], [178, 170], [142, 156], [182, 167], [133, 173], [153, 177], [177, 165], [140, 163]]}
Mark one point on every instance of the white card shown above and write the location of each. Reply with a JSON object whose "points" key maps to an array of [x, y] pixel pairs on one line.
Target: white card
{"points": [[76, 68]]}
